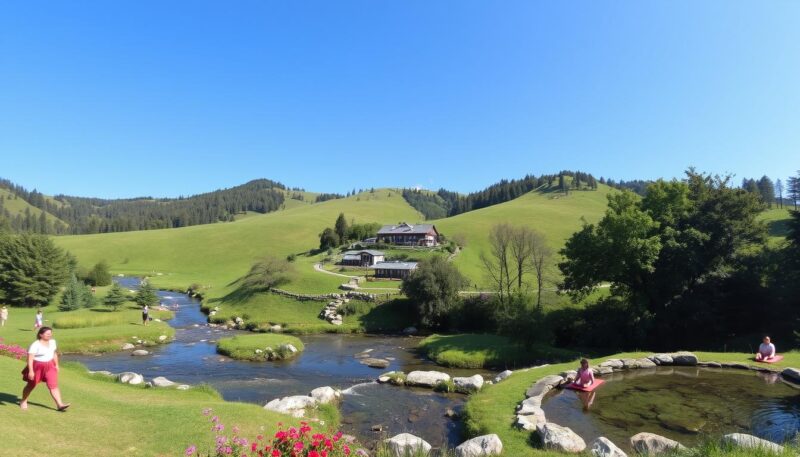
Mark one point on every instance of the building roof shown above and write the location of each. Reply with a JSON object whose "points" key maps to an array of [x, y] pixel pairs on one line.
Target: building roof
{"points": [[395, 265], [372, 252], [406, 229], [351, 257]]}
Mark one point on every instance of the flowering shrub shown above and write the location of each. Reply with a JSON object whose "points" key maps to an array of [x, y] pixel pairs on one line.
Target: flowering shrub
{"points": [[12, 350], [287, 442]]}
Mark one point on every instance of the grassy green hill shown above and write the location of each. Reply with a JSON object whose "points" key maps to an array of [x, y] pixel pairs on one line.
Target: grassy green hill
{"points": [[554, 214], [18, 206], [215, 255]]}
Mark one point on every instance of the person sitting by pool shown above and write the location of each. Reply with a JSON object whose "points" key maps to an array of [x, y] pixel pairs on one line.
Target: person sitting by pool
{"points": [[585, 376], [766, 350]]}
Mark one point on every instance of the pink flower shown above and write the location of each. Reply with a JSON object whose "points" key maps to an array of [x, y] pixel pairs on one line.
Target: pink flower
{"points": [[191, 450], [276, 453], [298, 446]]}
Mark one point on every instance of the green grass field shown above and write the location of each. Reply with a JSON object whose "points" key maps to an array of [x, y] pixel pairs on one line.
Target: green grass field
{"points": [[777, 220], [243, 347], [87, 330], [17, 206], [110, 419], [492, 410], [487, 351]]}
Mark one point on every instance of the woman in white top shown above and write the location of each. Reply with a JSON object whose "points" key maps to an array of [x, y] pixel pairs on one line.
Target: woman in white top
{"points": [[42, 366], [766, 350], [39, 319]]}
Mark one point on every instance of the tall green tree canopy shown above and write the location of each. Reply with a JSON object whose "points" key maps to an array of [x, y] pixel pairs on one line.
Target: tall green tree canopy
{"points": [[656, 249], [116, 297], [100, 274], [341, 227], [32, 269], [434, 287], [146, 295]]}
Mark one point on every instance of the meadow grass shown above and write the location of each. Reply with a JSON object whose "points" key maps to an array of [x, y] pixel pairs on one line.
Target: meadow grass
{"points": [[121, 328], [487, 351], [492, 409], [110, 419], [103, 316], [243, 347]]}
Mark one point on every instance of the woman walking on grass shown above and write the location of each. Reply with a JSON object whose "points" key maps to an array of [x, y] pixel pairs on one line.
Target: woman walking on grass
{"points": [[42, 366]]}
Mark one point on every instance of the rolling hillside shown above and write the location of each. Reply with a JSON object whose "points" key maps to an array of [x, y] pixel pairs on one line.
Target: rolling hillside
{"points": [[554, 214], [215, 255], [17, 206]]}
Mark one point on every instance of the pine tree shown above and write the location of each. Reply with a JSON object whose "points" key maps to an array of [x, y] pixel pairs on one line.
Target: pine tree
{"points": [[341, 227], [32, 269], [146, 295], [99, 275], [767, 190], [116, 296], [73, 297]]}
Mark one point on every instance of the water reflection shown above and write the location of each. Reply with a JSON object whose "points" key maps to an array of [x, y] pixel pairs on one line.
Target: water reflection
{"points": [[682, 403]]}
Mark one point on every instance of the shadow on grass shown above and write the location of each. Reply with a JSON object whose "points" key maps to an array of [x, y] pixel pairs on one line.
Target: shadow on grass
{"points": [[391, 316], [778, 228], [7, 399]]}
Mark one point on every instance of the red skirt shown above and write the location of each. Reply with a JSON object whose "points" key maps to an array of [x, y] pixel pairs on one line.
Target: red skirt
{"points": [[42, 371]]}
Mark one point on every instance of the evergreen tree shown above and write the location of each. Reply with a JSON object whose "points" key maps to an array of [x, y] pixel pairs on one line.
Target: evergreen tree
{"points": [[779, 192], [73, 295], [328, 239], [767, 190], [116, 296], [341, 227], [99, 275], [32, 269], [793, 189], [146, 295]]}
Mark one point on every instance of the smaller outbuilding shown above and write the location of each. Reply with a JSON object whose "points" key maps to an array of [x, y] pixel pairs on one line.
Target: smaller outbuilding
{"points": [[394, 269], [365, 258]]}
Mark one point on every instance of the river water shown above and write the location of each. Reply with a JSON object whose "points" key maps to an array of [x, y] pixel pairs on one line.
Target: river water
{"points": [[328, 360]]}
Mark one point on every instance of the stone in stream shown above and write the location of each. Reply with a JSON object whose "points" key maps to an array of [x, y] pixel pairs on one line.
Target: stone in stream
{"points": [[615, 364], [426, 378], [469, 385], [289, 348], [407, 444], [162, 382], [603, 447], [294, 406], [530, 422], [662, 359], [792, 374], [503, 375], [652, 444], [684, 358], [127, 346], [375, 363], [162, 338], [363, 354], [544, 385], [139, 352], [130, 378], [184, 387], [325, 395], [480, 446], [746, 441], [559, 438]]}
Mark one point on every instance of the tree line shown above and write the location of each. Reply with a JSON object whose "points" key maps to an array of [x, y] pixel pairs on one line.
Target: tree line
{"points": [[82, 215], [445, 203]]}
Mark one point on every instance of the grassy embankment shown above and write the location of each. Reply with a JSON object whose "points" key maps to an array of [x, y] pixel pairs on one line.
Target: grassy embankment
{"points": [[110, 419], [492, 410], [88, 330], [487, 351], [243, 347]]}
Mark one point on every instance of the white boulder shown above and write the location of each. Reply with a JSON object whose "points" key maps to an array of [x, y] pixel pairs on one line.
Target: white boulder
{"points": [[480, 446], [130, 378], [603, 447], [470, 384], [426, 378], [294, 406], [746, 441], [559, 438], [162, 382], [325, 395], [652, 444], [407, 444]]}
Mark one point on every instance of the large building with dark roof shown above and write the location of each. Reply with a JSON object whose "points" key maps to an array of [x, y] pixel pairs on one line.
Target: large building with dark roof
{"points": [[409, 235], [394, 269]]}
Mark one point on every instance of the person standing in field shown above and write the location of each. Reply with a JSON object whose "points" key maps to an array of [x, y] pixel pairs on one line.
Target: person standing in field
{"points": [[145, 314], [39, 322], [3, 316], [42, 366]]}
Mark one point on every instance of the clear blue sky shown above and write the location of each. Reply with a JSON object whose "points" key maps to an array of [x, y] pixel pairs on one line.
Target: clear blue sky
{"points": [[167, 98]]}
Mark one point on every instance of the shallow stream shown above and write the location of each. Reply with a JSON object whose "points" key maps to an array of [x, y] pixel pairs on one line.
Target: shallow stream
{"points": [[328, 360]]}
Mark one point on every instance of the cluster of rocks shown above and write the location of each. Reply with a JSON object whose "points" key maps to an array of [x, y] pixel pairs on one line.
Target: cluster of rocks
{"points": [[407, 444], [137, 341], [432, 380], [331, 311], [531, 417], [365, 358], [295, 405], [136, 379], [284, 351]]}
